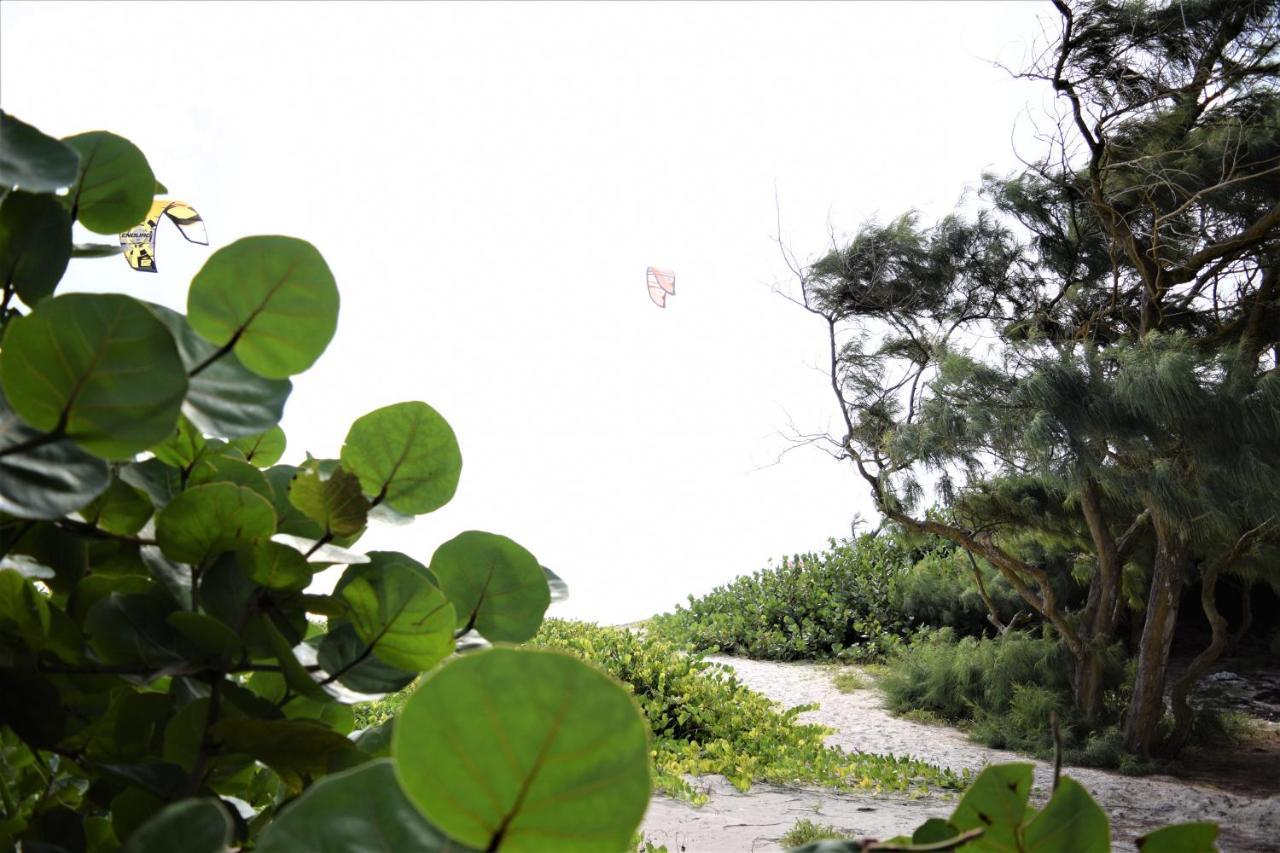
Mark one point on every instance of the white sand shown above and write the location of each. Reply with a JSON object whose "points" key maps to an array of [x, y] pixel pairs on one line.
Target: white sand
{"points": [[754, 821]]}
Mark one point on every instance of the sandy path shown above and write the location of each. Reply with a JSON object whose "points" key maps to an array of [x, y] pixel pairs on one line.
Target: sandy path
{"points": [[754, 821]]}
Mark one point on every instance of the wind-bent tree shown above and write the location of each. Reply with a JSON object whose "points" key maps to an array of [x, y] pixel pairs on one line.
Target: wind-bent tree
{"points": [[1087, 368]]}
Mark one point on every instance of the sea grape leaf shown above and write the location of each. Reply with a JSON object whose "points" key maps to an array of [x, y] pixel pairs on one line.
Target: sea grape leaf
{"points": [[361, 810], [32, 161], [75, 361], [299, 751], [271, 300], [227, 469], [565, 766], [211, 636], [335, 503], [346, 658], [1197, 837], [294, 673], [1071, 822], [133, 628], [160, 481], [263, 449], [44, 481], [224, 397], [35, 244], [121, 509], [192, 826], [496, 586], [406, 456], [396, 610], [997, 803], [275, 566], [116, 185], [204, 521]]}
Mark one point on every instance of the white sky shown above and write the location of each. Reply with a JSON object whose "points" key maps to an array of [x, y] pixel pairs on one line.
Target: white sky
{"points": [[488, 183]]}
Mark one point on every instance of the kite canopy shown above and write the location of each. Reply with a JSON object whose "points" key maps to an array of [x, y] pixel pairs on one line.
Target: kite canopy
{"points": [[661, 282], [139, 242]]}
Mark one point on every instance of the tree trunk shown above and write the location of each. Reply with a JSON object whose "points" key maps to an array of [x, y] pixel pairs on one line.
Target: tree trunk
{"points": [[1147, 705], [1183, 715], [1089, 686]]}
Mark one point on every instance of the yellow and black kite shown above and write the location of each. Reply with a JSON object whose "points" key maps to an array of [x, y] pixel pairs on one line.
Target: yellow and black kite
{"points": [[139, 242]]}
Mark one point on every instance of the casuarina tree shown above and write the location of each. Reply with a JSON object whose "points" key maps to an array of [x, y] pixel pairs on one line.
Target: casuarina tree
{"points": [[1085, 370]]}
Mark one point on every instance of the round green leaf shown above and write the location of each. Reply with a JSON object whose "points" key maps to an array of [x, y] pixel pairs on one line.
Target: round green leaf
{"points": [[996, 802], [361, 810], [116, 184], [1071, 822], [346, 658], [272, 300], [263, 449], [35, 244], [405, 455], [397, 611], [225, 398], [1198, 837], [225, 469], [496, 586], [334, 502], [276, 566], [31, 161], [192, 826], [100, 365], [522, 749], [44, 480], [205, 521]]}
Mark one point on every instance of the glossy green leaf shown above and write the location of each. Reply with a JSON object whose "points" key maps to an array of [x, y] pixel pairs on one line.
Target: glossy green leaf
{"points": [[76, 361], [346, 658], [496, 586], [160, 482], [32, 161], [294, 673], [1199, 837], [997, 803], [133, 629], [35, 244], [121, 509], [263, 449], [211, 636], [44, 480], [205, 521], [272, 300], [184, 446], [276, 566], [405, 455], [522, 749], [933, 831], [225, 398], [116, 184], [335, 503], [396, 609], [300, 751], [1071, 822], [361, 810], [192, 826], [213, 468]]}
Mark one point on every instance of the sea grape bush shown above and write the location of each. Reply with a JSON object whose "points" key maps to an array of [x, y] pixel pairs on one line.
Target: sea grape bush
{"points": [[167, 681], [994, 816], [836, 603], [704, 721]]}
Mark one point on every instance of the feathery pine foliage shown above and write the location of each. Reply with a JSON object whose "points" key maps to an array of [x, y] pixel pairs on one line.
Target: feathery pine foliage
{"points": [[166, 681], [836, 603], [1087, 366], [704, 721]]}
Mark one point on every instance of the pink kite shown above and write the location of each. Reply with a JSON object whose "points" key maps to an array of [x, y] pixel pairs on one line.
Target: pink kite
{"points": [[661, 282]]}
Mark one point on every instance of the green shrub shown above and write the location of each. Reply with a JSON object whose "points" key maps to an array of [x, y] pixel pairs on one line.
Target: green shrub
{"points": [[939, 591], [849, 680], [1004, 690], [833, 604], [805, 831], [705, 721]]}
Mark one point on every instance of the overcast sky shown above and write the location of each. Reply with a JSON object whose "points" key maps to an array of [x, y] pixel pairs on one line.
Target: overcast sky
{"points": [[488, 183]]}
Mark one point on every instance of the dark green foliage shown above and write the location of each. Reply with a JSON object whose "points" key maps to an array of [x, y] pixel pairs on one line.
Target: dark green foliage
{"points": [[705, 721], [837, 603], [166, 682], [1003, 690], [939, 591]]}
